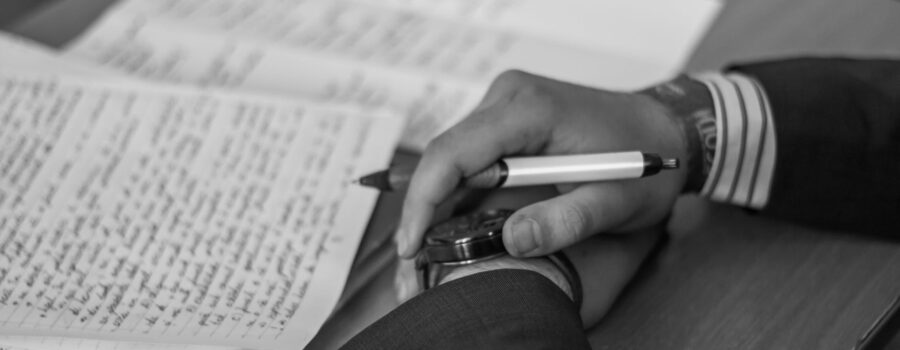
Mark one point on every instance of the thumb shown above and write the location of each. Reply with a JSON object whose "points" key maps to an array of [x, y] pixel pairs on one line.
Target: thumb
{"points": [[545, 227]]}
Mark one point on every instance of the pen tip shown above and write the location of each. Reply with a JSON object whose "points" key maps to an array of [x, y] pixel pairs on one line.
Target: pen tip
{"points": [[378, 180]]}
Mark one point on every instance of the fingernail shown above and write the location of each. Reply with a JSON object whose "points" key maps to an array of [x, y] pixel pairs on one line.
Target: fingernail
{"points": [[524, 233]]}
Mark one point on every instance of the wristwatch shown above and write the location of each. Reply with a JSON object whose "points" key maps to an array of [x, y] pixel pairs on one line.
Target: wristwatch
{"points": [[473, 238]]}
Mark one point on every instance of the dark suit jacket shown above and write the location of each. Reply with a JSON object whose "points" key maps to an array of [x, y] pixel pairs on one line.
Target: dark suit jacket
{"points": [[837, 125]]}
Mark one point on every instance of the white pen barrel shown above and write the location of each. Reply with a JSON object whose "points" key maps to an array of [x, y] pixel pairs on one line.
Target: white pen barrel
{"points": [[529, 171]]}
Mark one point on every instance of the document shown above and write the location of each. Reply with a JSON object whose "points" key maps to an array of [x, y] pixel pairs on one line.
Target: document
{"points": [[150, 48], [390, 37], [11, 347], [135, 213], [660, 31], [432, 66], [575, 40], [21, 54], [57, 343]]}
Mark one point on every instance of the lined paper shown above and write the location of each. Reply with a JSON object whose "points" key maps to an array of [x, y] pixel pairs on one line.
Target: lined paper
{"points": [[431, 63], [155, 49], [139, 214], [21, 54]]}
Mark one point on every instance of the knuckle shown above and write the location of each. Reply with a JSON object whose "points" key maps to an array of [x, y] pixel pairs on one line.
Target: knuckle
{"points": [[512, 83], [572, 221], [439, 146], [536, 100], [512, 77], [525, 92], [435, 145]]}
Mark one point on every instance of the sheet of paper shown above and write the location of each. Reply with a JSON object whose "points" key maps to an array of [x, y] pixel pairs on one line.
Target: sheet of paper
{"points": [[390, 37], [56, 343], [660, 31], [400, 44], [17, 53], [13, 347], [167, 50], [21, 54], [133, 213]]}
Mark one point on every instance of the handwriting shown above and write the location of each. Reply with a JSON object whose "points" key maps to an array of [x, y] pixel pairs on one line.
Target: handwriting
{"points": [[174, 215]]}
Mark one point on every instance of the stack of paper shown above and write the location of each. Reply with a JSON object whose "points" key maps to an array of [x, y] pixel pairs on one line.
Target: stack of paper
{"points": [[432, 63], [141, 212]]}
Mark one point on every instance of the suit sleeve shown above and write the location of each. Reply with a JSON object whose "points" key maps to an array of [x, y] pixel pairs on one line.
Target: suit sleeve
{"points": [[500, 309], [837, 125]]}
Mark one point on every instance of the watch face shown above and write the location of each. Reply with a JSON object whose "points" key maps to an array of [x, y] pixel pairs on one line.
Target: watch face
{"points": [[463, 229], [466, 239]]}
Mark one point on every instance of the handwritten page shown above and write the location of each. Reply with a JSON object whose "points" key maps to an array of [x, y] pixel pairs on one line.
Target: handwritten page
{"points": [[392, 37], [134, 213], [57, 343], [12, 347], [431, 66], [17, 53], [167, 50], [660, 31], [21, 54]]}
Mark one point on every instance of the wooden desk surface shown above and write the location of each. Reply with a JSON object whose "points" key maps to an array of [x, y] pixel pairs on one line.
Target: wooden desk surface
{"points": [[726, 279], [735, 281]]}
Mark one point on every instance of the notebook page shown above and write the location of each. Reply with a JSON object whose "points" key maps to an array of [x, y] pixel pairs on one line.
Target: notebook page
{"points": [[17, 53], [160, 49], [660, 31], [12, 347], [55, 343], [392, 37], [142, 214], [21, 54]]}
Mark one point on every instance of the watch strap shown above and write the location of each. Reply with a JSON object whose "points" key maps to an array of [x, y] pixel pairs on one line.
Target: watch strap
{"points": [[432, 273], [567, 268]]}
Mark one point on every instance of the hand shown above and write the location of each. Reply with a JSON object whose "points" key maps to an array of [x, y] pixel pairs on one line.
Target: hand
{"points": [[526, 114], [605, 263]]}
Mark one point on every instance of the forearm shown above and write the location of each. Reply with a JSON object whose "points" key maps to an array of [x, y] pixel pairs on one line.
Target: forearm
{"points": [[505, 308], [813, 140], [514, 303], [838, 127]]}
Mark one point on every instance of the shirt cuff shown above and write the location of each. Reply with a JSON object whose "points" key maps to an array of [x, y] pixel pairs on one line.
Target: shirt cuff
{"points": [[744, 162]]}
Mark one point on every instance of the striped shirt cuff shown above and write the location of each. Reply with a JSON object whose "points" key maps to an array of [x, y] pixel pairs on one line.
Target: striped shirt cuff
{"points": [[744, 162]]}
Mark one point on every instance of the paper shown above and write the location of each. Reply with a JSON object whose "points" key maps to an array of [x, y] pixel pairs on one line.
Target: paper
{"points": [[132, 213], [361, 31], [660, 31], [150, 48], [12, 347], [54, 343], [21, 54], [432, 63]]}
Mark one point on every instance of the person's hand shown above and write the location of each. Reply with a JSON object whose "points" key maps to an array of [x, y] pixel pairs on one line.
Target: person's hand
{"points": [[523, 114], [606, 263]]}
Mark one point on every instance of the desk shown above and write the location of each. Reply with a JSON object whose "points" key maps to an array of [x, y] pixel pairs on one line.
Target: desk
{"points": [[726, 279]]}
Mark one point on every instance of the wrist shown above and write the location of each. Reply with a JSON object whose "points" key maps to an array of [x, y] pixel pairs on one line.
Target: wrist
{"points": [[542, 266], [689, 104]]}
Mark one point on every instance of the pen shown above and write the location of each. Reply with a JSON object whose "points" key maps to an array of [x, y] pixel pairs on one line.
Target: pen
{"points": [[541, 170], [880, 333]]}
